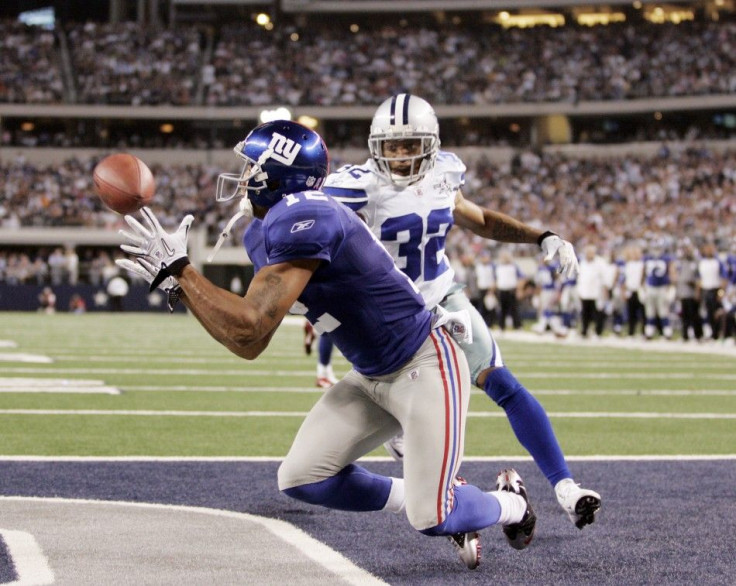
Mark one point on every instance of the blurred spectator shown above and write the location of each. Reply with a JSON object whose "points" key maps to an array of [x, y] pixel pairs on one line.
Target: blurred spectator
{"points": [[592, 290], [510, 282], [712, 274], [77, 304], [659, 291], [633, 283], [47, 300], [687, 285], [117, 288]]}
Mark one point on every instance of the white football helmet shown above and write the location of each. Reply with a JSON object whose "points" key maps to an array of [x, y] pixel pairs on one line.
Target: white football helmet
{"points": [[405, 117]]}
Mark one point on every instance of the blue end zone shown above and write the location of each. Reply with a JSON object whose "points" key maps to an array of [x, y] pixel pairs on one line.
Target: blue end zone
{"points": [[662, 522]]}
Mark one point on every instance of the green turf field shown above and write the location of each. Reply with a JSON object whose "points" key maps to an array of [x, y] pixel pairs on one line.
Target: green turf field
{"points": [[184, 395]]}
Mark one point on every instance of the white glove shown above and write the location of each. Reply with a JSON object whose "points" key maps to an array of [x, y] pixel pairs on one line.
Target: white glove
{"points": [[166, 252], [552, 244], [148, 272]]}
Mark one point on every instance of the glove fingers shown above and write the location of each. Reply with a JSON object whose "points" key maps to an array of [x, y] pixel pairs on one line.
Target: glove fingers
{"points": [[134, 238], [151, 220], [134, 250], [185, 225], [150, 267], [137, 227], [132, 267]]}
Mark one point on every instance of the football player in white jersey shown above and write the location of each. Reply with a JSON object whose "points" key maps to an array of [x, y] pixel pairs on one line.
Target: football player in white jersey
{"points": [[409, 193]]}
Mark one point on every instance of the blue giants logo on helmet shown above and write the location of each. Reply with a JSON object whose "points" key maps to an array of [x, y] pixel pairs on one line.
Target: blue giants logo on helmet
{"points": [[281, 157]]}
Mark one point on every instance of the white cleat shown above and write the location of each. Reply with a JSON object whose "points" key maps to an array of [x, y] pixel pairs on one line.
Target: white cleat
{"points": [[325, 382], [580, 504], [467, 546], [519, 535]]}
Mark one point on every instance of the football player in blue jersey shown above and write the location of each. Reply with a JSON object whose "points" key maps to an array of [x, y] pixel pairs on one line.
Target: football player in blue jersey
{"points": [[315, 257], [409, 193]]}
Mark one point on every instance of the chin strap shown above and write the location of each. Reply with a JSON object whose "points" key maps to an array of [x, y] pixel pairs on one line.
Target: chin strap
{"points": [[245, 211]]}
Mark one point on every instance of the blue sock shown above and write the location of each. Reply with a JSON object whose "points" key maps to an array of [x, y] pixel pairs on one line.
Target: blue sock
{"points": [[474, 510], [352, 489], [325, 349], [530, 423]]}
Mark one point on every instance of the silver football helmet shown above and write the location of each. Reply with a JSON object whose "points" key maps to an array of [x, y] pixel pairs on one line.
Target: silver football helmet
{"points": [[405, 117]]}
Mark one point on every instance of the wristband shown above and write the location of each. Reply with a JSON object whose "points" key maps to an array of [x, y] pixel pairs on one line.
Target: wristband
{"points": [[543, 236], [172, 270]]}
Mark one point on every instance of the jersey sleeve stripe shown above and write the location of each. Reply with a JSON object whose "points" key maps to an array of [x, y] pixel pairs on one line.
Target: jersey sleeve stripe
{"points": [[346, 195]]}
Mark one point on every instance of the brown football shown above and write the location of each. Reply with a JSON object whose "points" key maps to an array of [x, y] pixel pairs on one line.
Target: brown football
{"points": [[124, 183]]}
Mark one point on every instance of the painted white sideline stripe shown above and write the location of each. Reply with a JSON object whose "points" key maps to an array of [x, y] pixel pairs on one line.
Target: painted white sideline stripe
{"points": [[22, 357], [488, 414], [51, 385], [315, 550], [245, 371], [8, 344], [30, 564], [62, 390], [48, 382]]}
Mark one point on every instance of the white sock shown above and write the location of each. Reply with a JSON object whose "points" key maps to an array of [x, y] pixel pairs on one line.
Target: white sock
{"points": [[396, 502], [513, 506], [321, 372]]}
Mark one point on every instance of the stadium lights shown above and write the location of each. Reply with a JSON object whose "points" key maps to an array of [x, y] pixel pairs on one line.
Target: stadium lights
{"points": [[276, 114], [262, 19], [597, 18], [507, 20], [308, 121], [660, 15]]}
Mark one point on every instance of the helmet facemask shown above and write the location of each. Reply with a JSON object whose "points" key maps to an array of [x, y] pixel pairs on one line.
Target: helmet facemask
{"points": [[419, 160], [251, 178]]}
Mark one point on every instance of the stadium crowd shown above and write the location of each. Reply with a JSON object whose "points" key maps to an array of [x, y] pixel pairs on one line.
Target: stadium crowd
{"points": [[683, 194], [683, 191], [328, 65]]}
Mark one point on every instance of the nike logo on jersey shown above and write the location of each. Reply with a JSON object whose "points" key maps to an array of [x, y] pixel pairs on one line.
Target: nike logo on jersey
{"points": [[301, 226]]}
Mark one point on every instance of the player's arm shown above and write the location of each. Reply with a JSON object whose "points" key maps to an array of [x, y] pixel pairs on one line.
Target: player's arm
{"points": [[491, 224], [245, 325]]}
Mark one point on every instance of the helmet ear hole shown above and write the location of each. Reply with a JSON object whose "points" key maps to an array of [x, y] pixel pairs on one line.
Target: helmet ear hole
{"points": [[273, 184]]}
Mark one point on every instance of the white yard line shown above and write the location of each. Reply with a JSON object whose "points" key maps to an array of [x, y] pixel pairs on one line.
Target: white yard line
{"points": [[516, 458], [480, 414], [301, 373], [315, 390]]}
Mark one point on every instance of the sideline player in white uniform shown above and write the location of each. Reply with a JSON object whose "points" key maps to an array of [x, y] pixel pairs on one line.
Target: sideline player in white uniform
{"points": [[313, 254], [409, 193]]}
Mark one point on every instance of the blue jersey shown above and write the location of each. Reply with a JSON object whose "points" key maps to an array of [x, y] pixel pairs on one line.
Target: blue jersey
{"points": [[657, 270], [546, 276], [372, 311]]}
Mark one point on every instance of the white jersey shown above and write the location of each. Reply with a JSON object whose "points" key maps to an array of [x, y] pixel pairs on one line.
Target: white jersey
{"points": [[412, 221]]}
